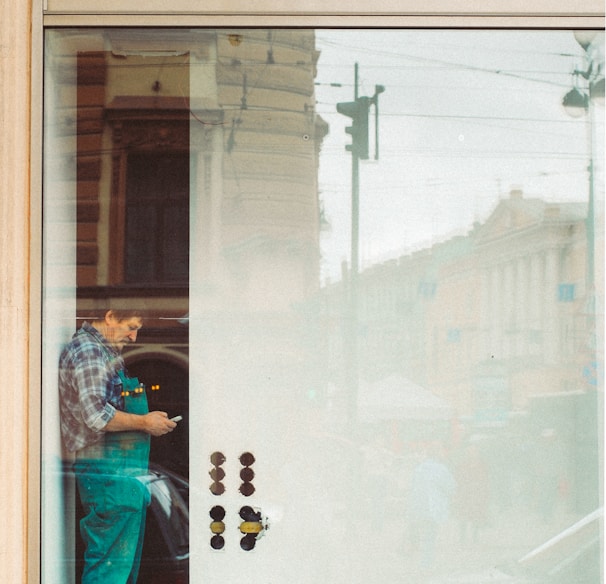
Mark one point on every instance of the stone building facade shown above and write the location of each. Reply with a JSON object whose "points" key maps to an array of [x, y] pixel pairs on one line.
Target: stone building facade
{"points": [[487, 320]]}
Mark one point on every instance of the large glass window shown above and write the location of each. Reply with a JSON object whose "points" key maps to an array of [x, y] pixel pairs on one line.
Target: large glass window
{"points": [[368, 266]]}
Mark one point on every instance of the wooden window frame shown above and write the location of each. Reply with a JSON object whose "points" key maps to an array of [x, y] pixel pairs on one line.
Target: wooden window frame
{"points": [[138, 128]]}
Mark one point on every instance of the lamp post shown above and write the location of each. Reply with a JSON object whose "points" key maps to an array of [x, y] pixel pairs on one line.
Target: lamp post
{"points": [[579, 102]]}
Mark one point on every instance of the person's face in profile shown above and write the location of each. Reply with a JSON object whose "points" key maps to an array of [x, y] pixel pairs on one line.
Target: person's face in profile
{"points": [[121, 332]]}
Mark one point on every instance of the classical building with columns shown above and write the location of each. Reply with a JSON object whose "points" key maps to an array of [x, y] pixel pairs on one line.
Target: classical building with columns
{"points": [[489, 320]]}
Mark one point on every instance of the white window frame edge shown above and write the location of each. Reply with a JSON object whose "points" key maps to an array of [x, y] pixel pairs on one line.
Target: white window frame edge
{"points": [[514, 14], [330, 8]]}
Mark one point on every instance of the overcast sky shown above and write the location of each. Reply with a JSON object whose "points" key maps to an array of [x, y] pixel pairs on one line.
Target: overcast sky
{"points": [[465, 117]]}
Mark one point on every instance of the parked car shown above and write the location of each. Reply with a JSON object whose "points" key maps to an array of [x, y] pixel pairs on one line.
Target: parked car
{"points": [[574, 556]]}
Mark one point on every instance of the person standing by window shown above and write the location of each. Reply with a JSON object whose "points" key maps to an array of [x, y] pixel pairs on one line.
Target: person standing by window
{"points": [[106, 425]]}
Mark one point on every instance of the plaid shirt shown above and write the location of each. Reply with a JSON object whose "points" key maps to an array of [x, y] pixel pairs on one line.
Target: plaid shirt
{"points": [[89, 388]]}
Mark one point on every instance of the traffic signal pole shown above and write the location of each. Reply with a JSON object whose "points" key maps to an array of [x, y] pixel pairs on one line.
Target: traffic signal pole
{"points": [[352, 375], [355, 193], [358, 111]]}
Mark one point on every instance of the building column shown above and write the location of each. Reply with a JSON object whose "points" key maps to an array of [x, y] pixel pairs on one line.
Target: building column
{"points": [[205, 205], [206, 149], [535, 308], [483, 322], [522, 294], [550, 322], [509, 310], [496, 313]]}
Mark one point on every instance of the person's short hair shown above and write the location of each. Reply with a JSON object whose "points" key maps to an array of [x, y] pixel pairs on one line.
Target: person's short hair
{"points": [[119, 313]]}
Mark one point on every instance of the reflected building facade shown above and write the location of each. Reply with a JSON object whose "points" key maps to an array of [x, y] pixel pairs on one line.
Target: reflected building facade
{"points": [[181, 179], [190, 163], [507, 303], [499, 323]]}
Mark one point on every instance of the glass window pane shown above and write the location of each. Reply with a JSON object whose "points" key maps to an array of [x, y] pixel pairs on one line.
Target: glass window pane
{"points": [[368, 266]]}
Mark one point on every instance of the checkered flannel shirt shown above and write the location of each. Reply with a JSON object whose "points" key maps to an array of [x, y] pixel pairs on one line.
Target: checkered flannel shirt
{"points": [[89, 387]]}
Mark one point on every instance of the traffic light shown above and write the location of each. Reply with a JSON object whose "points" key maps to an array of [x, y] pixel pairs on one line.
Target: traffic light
{"points": [[358, 112]]}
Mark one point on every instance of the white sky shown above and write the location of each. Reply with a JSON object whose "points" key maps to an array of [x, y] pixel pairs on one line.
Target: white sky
{"points": [[465, 117]]}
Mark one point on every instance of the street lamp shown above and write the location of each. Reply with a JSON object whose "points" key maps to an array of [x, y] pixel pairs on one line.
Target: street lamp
{"points": [[578, 102], [592, 42]]}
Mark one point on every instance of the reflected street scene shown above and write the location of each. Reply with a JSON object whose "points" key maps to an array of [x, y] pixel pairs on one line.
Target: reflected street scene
{"points": [[355, 278]]}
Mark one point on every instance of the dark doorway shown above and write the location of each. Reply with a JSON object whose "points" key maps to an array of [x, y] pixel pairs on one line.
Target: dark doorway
{"points": [[171, 451]]}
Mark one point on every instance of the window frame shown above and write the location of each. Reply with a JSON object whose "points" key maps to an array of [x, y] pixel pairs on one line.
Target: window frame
{"points": [[501, 14]]}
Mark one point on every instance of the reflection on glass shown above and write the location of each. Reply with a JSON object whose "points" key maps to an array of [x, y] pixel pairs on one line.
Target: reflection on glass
{"points": [[372, 258]]}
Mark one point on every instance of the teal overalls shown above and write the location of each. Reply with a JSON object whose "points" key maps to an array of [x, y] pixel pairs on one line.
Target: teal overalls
{"points": [[111, 483]]}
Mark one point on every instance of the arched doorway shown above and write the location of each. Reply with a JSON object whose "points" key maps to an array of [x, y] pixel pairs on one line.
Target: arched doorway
{"points": [[170, 451]]}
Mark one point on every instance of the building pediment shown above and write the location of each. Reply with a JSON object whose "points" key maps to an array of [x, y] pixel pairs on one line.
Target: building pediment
{"points": [[517, 214], [512, 214]]}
